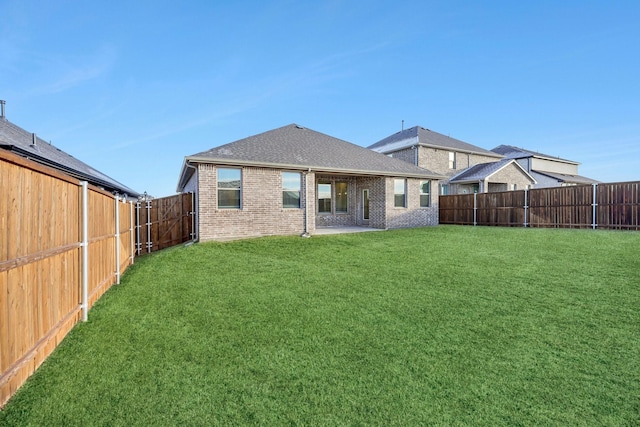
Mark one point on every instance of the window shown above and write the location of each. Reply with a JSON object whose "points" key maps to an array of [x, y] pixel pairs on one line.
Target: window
{"points": [[452, 160], [425, 194], [341, 197], [324, 197], [291, 189], [229, 188], [399, 192], [514, 187], [444, 190]]}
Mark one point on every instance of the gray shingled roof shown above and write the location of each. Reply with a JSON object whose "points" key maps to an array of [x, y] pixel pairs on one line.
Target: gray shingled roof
{"points": [[19, 141], [480, 171], [418, 135], [513, 152], [296, 147], [573, 179]]}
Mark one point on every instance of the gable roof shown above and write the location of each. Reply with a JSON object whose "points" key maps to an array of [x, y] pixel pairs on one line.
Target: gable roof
{"points": [[418, 135], [513, 152], [299, 148], [485, 170], [21, 142]]}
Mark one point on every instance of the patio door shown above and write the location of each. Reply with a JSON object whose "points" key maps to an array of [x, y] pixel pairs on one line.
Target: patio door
{"points": [[365, 205]]}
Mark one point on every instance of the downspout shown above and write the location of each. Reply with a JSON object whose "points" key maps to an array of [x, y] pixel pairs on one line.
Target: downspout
{"points": [[305, 232], [196, 221]]}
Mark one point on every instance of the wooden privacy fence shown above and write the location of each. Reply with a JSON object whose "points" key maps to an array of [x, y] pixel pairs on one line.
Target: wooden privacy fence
{"points": [[63, 243], [164, 222], [605, 206]]}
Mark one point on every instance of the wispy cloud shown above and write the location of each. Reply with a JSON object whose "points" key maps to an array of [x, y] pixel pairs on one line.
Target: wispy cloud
{"points": [[69, 72]]}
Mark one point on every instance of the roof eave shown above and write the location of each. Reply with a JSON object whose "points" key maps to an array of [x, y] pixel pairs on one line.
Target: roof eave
{"points": [[234, 162]]}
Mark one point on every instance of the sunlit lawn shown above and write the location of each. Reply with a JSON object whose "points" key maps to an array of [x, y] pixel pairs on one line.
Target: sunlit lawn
{"points": [[445, 325]]}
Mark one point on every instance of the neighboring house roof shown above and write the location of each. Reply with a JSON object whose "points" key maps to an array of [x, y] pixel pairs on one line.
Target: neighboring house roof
{"points": [[512, 152], [483, 171], [21, 142], [572, 179], [418, 135], [298, 148]]}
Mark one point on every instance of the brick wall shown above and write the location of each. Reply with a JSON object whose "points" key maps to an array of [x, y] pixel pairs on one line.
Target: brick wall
{"points": [[437, 160], [261, 214], [412, 215]]}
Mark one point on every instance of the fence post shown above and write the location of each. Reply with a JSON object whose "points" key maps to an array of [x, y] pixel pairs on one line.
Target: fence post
{"points": [[117, 239], [149, 243], [131, 232], [526, 205], [138, 242], [85, 251], [594, 224], [475, 208]]}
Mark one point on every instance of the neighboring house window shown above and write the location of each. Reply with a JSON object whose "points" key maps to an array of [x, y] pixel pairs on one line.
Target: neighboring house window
{"points": [[291, 189], [452, 160], [324, 197], [514, 187], [444, 190], [425, 194], [476, 188], [400, 192], [229, 188], [341, 197]]}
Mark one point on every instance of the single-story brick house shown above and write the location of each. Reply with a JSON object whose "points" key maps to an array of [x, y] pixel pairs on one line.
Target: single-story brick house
{"points": [[293, 180]]}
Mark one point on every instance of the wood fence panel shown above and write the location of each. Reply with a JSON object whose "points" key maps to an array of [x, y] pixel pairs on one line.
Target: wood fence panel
{"points": [[164, 222], [456, 209], [561, 207], [618, 206], [41, 262], [500, 209]]}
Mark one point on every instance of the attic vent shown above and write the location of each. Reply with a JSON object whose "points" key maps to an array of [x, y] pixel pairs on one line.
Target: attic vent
{"points": [[299, 127]]}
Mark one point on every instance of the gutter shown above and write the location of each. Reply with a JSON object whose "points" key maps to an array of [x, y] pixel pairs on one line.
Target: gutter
{"points": [[232, 162]]}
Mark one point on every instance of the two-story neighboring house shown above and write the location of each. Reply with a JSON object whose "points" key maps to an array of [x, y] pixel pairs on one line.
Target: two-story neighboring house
{"points": [[468, 168], [548, 171]]}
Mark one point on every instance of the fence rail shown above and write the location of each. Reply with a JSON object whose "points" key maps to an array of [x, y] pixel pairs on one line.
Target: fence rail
{"points": [[604, 206], [63, 244]]}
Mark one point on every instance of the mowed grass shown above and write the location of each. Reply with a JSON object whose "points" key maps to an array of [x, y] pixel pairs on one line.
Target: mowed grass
{"points": [[439, 326]]}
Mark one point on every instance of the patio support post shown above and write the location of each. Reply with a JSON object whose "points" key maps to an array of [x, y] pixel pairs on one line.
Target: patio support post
{"points": [[84, 247]]}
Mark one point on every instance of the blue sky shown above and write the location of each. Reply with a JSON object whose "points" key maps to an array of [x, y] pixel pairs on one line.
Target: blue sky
{"points": [[132, 87]]}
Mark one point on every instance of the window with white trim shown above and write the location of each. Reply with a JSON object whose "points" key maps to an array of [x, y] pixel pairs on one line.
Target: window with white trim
{"points": [[291, 185], [229, 188], [425, 194], [400, 193]]}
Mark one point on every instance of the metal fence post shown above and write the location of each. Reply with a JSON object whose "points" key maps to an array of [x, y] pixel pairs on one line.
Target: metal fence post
{"points": [[594, 224], [149, 243], [131, 232], [117, 239], [526, 206], [85, 251], [475, 209]]}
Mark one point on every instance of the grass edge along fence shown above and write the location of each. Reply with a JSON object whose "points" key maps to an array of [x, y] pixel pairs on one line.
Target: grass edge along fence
{"points": [[64, 243], [614, 206]]}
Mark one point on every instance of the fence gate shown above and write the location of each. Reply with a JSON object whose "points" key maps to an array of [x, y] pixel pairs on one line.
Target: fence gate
{"points": [[164, 222]]}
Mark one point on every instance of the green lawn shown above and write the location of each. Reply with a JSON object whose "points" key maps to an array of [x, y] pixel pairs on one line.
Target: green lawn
{"points": [[440, 326]]}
